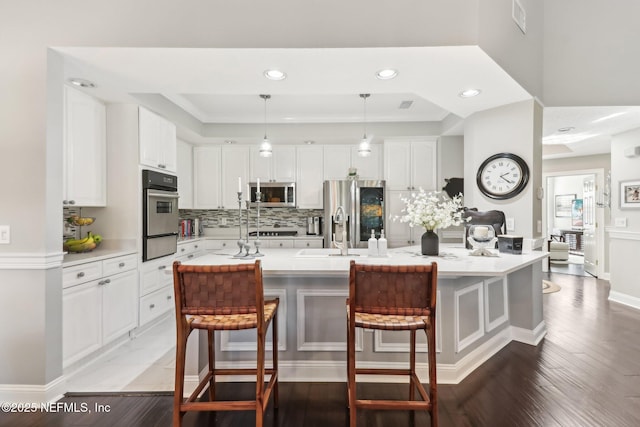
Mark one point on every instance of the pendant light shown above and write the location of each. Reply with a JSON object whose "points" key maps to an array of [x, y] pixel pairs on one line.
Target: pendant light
{"points": [[364, 149], [265, 147]]}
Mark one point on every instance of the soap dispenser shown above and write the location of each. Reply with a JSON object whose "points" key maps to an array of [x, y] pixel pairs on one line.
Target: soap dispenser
{"points": [[382, 244], [373, 244]]}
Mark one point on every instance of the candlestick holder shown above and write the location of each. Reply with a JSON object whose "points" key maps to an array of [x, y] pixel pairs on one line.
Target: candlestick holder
{"points": [[240, 241], [257, 243], [247, 245]]}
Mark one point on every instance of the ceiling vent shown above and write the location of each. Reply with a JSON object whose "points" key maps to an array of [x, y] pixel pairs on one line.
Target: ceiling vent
{"points": [[404, 105], [519, 16]]}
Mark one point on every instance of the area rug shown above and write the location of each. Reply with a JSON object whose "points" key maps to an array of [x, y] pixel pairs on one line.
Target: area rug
{"points": [[549, 287]]}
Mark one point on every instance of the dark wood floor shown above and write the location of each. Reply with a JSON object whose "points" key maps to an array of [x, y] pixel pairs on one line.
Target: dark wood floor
{"points": [[586, 372]]}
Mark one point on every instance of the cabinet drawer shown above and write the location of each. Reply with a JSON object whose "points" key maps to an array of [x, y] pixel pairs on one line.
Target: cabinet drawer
{"points": [[311, 243], [281, 244], [119, 264], [188, 248], [82, 273], [155, 304], [227, 244], [156, 274]]}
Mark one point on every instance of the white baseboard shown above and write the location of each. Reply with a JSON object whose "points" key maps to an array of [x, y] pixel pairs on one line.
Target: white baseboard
{"points": [[625, 299], [25, 393], [527, 336]]}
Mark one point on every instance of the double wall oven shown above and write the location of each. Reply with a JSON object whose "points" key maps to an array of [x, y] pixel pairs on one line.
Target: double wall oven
{"points": [[160, 217]]}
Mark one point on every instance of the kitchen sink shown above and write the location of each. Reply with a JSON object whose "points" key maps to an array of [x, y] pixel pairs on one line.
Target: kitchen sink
{"points": [[329, 252]]}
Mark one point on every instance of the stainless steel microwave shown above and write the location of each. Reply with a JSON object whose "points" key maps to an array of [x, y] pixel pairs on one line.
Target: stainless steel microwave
{"points": [[274, 194]]}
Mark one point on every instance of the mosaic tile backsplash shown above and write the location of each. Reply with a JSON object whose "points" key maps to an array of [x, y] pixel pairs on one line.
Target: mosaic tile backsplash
{"points": [[269, 217]]}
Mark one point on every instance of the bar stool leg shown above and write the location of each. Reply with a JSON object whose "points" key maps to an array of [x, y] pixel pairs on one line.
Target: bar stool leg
{"points": [[433, 390], [412, 365], [212, 364], [181, 350], [274, 349]]}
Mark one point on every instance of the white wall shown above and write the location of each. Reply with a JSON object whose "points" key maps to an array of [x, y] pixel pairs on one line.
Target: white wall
{"points": [[625, 242], [513, 128]]}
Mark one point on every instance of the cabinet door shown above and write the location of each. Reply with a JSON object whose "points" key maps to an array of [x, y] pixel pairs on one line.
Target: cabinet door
{"points": [[168, 146], [149, 134], [84, 157], [185, 175], [206, 178], [260, 166], [81, 321], [398, 233], [397, 161], [309, 177], [235, 163], [369, 167], [119, 305], [337, 161], [424, 164], [284, 163]]}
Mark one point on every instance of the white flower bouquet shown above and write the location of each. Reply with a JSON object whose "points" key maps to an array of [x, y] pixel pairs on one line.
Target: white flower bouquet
{"points": [[432, 210]]}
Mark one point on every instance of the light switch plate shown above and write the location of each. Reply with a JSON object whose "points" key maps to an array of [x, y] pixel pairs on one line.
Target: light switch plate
{"points": [[511, 224], [621, 222], [5, 234]]}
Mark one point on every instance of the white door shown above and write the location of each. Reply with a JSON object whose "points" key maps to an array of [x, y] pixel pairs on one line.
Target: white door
{"points": [[589, 240]]}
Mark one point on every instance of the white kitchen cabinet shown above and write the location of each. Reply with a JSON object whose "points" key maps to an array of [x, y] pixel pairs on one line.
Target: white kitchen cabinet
{"points": [[99, 304], [411, 165], [235, 163], [206, 178], [156, 288], [398, 233], [189, 250], [224, 245], [157, 141], [278, 243], [279, 167], [84, 150], [307, 243], [369, 167], [309, 177], [337, 161], [185, 175]]}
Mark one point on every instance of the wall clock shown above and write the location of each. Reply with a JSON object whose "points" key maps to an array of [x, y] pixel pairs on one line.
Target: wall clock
{"points": [[502, 176]]}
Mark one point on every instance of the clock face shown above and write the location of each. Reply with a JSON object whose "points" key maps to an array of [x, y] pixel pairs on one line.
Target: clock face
{"points": [[502, 176]]}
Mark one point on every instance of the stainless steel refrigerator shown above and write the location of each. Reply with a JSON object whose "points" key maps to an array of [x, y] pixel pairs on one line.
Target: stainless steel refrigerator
{"points": [[363, 210]]}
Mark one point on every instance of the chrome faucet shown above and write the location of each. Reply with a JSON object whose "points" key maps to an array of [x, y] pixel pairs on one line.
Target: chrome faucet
{"points": [[340, 229]]}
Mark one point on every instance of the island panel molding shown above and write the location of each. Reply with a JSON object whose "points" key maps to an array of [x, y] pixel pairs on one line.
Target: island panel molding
{"points": [[495, 314], [465, 302]]}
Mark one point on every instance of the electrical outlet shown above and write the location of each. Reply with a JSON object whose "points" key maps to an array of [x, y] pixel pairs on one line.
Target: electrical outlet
{"points": [[511, 224], [539, 226], [621, 222], [5, 234], [223, 221]]}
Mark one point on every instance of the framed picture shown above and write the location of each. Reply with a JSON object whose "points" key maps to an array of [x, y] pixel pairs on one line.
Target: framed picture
{"points": [[576, 213], [630, 194], [563, 205]]}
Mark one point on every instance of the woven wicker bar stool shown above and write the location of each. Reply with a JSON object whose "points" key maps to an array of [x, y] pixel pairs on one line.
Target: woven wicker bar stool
{"points": [[225, 297], [396, 298]]}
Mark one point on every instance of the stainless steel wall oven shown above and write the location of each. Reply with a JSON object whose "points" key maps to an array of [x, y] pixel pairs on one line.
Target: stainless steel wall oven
{"points": [[160, 217]]}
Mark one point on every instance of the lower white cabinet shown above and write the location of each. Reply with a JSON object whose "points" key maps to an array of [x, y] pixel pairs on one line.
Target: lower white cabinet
{"points": [[156, 285], [99, 304], [155, 304], [308, 243]]}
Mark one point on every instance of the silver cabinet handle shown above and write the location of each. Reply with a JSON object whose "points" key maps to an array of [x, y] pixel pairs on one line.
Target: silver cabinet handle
{"points": [[195, 246], [152, 306], [190, 256], [224, 244], [161, 166], [101, 282], [162, 267], [107, 281], [72, 202], [79, 275], [121, 265], [181, 249], [169, 296]]}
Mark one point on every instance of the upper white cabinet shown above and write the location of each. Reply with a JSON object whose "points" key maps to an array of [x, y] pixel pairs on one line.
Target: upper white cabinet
{"points": [[185, 175], [410, 165], [157, 141], [235, 164], [85, 154], [206, 178], [280, 167], [309, 178], [215, 176]]}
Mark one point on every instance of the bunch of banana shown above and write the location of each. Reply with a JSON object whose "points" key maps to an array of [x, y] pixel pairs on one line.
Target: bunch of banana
{"points": [[83, 245]]}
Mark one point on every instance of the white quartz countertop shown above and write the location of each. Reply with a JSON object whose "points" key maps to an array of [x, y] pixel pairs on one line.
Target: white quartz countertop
{"points": [[454, 260]]}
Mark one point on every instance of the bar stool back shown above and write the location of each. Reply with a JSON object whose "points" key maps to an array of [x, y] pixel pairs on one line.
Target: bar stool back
{"points": [[397, 298], [225, 297]]}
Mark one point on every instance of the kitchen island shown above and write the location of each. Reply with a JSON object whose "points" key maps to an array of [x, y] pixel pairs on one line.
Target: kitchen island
{"points": [[483, 304]]}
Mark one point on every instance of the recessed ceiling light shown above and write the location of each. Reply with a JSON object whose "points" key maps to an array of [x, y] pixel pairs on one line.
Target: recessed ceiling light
{"points": [[387, 74], [469, 93], [81, 82], [229, 141], [566, 129], [309, 142], [275, 75]]}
